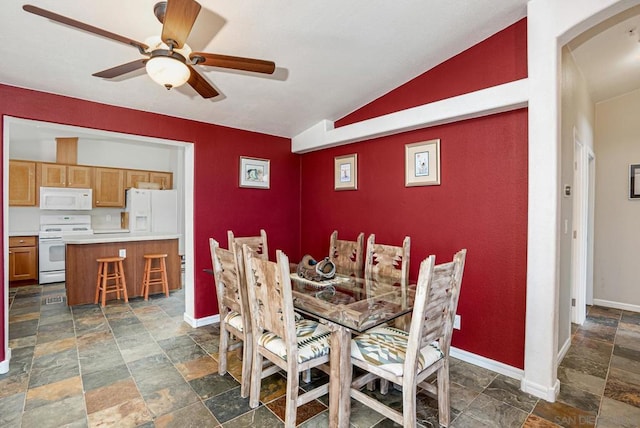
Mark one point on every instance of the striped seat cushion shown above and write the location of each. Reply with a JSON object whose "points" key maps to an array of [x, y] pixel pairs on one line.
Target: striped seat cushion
{"points": [[234, 319], [386, 348], [313, 341]]}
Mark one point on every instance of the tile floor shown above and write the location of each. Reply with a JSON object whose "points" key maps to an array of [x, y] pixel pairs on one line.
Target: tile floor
{"points": [[139, 364]]}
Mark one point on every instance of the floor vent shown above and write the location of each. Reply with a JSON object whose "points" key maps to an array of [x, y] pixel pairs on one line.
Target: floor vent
{"points": [[54, 299]]}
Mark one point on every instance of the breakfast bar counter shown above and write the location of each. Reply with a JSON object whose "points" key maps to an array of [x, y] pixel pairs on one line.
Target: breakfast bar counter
{"points": [[82, 268]]}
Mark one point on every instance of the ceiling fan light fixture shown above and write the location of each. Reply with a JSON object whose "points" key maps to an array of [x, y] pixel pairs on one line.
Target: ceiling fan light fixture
{"points": [[168, 71]]}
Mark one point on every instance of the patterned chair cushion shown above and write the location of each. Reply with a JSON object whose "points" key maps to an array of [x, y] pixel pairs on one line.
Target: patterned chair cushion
{"points": [[234, 319], [386, 348], [313, 341]]}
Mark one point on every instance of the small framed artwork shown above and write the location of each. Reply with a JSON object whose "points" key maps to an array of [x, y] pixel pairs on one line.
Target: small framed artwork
{"points": [[346, 172], [634, 181], [422, 163], [254, 172]]}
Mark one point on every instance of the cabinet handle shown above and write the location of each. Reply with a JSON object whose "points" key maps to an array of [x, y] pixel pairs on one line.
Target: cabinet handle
{"points": [[21, 241]]}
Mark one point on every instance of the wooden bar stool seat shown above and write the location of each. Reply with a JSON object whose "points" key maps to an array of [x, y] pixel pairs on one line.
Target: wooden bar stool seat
{"points": [[110, 281], [154, 275]]}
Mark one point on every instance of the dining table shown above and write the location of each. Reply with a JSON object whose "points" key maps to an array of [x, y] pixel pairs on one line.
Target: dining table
{"points": [[349, 305]]}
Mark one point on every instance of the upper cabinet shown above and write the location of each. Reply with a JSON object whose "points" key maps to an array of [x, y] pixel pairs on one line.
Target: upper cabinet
{"points": [[164, 179], [108, 190], [60, 175], [22, 183], [134, 176]]}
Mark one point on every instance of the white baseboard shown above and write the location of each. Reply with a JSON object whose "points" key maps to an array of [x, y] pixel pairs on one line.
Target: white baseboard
{"points": [[616, 305], [478, 360], [199, 322], [548, 394], [4, 365], [563, 351]]}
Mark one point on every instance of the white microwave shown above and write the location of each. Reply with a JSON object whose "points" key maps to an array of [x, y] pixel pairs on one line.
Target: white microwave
{"points": [[63, 198]]}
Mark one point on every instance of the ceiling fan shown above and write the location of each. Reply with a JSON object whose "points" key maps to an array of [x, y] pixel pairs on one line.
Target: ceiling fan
{"points": [[168, 59]]}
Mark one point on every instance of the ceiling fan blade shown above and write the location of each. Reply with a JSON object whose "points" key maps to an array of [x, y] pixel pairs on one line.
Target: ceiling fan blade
{"points": [[201, 86], [178, 21], [82, 26], [121, 69], [235, 62]]}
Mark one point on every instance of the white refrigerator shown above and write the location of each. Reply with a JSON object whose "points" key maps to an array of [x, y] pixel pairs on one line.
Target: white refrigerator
{"points": [[152, 210]]}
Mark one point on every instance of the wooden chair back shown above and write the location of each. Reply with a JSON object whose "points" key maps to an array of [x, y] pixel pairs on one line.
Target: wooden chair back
{"points": [[387, 261], [270, 296], [255, 243], [434, 310], [227, 272], [348, 256]]}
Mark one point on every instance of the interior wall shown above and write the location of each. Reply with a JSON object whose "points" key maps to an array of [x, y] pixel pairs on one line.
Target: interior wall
{"points": [[577, 120], [616, 216], [219, 203], [481, 204]]}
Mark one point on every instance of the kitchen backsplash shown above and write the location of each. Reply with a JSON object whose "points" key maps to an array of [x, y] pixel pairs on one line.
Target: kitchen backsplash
{"points": [[27, 219]]}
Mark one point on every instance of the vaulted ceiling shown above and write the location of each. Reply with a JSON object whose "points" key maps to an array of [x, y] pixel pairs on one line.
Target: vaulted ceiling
{"points": [[331, 56]]}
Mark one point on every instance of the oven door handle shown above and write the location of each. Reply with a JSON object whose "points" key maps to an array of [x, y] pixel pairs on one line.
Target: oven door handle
{"points": [[50, 239]]}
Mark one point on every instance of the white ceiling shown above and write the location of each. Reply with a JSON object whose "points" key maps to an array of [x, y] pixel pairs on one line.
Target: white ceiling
{"points": [[332, 56], [608, 56]]}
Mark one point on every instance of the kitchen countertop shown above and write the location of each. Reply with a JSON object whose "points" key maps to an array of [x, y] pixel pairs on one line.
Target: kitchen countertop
{"points": [[104, 238], [25, 233]]}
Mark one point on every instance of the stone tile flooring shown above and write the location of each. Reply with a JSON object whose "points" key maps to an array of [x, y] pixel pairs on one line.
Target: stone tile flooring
{"points": [[139, 364]]}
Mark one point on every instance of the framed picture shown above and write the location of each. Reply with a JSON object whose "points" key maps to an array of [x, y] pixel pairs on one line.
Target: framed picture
{"points": [[634, 181], [254, 172], [346, 172], [422, 163]]}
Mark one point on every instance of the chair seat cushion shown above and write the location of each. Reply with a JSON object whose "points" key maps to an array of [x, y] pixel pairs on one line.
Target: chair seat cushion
{"points": [[386, 347], [234, 319], [313, 341]]}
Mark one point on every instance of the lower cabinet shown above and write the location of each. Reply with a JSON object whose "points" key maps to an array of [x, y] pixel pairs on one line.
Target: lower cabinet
{"points": [[23, 258]]}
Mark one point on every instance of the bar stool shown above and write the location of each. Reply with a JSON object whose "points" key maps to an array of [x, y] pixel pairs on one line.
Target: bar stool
{"points": [[150, 270], [119, 283]]}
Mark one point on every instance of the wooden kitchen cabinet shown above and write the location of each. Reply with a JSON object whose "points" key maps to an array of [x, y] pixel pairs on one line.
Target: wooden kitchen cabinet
{"points": [[164, 179], [108, 190], [23, 258], [22, 183], [134, 176], [61, 175]]}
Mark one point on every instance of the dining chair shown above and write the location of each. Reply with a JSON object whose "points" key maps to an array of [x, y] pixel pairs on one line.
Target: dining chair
{"points": [[235, 324], [348, 256], [409, 359], [293, 346], [387, 261], [256, 243]]}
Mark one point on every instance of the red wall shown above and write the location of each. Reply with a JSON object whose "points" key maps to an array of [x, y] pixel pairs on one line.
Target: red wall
{"points": [[499, 59], [481, 204], [219, 203]]}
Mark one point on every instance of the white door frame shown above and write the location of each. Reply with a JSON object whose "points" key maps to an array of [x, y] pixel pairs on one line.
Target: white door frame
{"points": [[583, 156]]}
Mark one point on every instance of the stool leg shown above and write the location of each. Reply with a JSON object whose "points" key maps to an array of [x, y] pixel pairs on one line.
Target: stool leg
{"points": [[123, 282], [105, 272], [95, 301], [116, 279], [165, 283], [146, 278]]}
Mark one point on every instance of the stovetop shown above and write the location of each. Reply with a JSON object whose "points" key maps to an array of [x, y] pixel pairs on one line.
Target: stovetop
{"points": [[59, 225]]}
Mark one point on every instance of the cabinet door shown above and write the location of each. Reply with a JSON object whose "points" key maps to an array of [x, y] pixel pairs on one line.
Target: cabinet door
{"points": [[164, 179], [79, 176], [108, 187], [22, 263], [53, 175], [22, 183], [133, 177]]}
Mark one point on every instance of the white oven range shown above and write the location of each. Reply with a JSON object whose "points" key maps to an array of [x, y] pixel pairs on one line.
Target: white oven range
{"points": [[51, 247]]}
